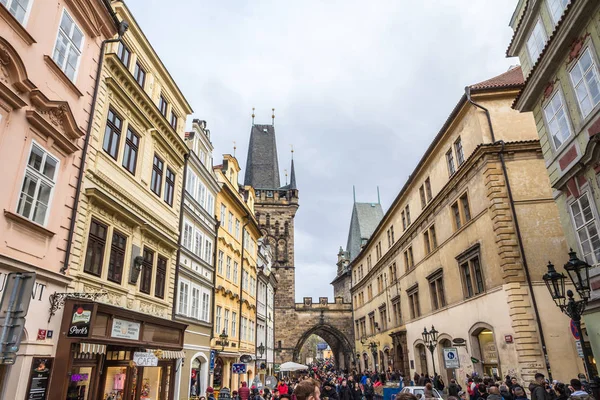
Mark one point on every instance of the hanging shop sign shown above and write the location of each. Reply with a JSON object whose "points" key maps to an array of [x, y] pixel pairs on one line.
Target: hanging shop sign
{"points": [[124, 329], [213, 356], [81, 319], [39, 378], [145, 359], [238, 368]]}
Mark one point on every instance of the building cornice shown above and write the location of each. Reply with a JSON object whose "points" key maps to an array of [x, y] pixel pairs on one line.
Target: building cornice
{"points": [[470, 165]]}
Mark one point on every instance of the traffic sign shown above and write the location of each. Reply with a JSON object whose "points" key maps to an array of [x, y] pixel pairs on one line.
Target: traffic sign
{"points": [[579, 349], [574, 330], [451, 358], [212, 361]]}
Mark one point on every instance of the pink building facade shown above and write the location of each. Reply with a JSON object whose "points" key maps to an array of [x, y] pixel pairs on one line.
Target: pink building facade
{"points": [[49, 51]]}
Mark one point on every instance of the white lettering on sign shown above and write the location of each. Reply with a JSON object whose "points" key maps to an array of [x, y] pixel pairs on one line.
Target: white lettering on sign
{"points": [[78, 331], [123, 329], [36, 293], [145, 359]]}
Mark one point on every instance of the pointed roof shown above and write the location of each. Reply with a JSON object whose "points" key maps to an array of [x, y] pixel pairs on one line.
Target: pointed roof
{"points": [[511, 78], [292, 184], [262, 166], [365, 218]]}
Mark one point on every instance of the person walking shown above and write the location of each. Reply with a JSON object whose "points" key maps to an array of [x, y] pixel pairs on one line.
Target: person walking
{"points": [[579, 393], [345, 392], [454, 388], [428, 392], [244, 391], [357, 393], [369, 390], [494, 393], [537, 388]]}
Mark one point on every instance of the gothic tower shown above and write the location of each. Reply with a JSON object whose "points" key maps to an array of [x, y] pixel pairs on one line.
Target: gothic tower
{"points": [[275, 208]]}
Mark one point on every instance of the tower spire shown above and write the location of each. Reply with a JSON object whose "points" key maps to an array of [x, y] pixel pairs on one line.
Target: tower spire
{"points": [[292, 176], [273, 117], [354, 192], [234, 148], [252, 115]]}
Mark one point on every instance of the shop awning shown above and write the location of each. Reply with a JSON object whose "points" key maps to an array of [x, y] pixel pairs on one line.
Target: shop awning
{"points": [[91, 348], [168, 354]]}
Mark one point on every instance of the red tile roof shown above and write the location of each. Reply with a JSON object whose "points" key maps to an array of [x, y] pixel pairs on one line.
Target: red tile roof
{"points": [[511, 78]]}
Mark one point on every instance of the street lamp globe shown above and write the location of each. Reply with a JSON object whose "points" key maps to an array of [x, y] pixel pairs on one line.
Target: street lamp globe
{"points": [[579, 273], [434, 334], [425, 335], [223, 337], [261, 349], [555, 282]]}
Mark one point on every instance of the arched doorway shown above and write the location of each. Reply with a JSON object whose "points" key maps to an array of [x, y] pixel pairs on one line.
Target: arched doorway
{"points": [[337, 341], [485, 351], [421, 359], [389, 361], [218, 374], [198, 376]]}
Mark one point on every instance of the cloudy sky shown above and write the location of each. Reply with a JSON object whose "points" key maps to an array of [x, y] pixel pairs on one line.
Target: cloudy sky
{"points": [[359, 88]]}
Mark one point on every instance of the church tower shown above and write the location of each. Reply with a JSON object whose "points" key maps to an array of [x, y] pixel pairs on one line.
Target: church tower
{"points": [[275, 208]]}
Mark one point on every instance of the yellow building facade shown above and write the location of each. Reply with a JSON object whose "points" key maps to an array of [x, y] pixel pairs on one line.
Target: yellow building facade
{"points": [[236, 273], [125, 245], [463, 248]]}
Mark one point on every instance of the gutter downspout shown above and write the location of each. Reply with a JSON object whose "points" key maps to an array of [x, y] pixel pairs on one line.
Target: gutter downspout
{"points": [[517, 228], [123, 26], [182, 205]]}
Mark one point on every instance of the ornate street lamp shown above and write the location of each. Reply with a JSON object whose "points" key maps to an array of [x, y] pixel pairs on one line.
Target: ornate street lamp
{"points": [[223, 337], [261, 350], [579, 274], [430, 339]]}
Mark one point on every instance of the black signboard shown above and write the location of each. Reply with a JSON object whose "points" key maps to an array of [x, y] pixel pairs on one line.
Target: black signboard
{"points": [[39, 378], [81, 319]]}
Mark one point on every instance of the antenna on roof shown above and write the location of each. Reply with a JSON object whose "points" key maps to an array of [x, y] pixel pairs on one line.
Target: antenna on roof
{"points": [[234, 148], [354, 192], [378, 198], [252, 115], [273, 117]]}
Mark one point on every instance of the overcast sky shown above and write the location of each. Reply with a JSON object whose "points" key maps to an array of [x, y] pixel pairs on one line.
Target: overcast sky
{"points": [[360, 88]]}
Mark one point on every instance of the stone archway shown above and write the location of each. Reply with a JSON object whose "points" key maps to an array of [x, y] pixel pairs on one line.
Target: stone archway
{"points": [[340, 345]]}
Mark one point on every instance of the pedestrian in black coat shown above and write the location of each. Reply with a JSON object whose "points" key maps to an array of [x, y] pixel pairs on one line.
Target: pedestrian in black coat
{"points": [[357, 393], [345, 393], [369, 390]]}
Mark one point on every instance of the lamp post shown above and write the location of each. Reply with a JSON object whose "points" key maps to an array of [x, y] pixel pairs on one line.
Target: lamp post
{"points": [[373, 347], [261, 350], [223, 338], [430, 339], [579, 274]]}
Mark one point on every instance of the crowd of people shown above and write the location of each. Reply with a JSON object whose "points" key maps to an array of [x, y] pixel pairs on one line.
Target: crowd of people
{"points": [[324, 382]]}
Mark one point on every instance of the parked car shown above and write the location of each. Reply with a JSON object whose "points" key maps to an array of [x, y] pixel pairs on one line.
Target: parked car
{"points": [[419, 391]]}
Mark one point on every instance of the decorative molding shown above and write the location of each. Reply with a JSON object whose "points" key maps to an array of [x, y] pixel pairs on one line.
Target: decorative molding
{"points": [[28, 223], [16, 26], [576, 47], [549, 89], [94, 17], [57, 300], [61, 75], [12, 68]]}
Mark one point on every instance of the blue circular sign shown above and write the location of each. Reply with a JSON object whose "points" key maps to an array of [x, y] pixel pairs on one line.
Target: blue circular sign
{"points": [[450, 355]]}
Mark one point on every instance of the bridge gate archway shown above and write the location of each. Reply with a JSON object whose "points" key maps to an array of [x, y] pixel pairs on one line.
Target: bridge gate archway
{"points": [[330, 321]]}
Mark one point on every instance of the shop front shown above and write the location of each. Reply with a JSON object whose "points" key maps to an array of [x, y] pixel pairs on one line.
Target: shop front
{"points": [[110, 353]]}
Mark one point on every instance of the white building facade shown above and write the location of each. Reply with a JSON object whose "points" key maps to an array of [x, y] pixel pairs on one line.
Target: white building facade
{"points": [[196, 272]]}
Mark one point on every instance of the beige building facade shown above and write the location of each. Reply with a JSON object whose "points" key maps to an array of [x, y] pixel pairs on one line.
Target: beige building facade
{"points": [[558, 44], [473, 226], [123, 260], [48, 60]]}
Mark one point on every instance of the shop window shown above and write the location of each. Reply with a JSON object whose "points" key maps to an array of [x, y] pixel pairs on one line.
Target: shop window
{"points": [[114, 387], [147, 264], [94, 255], [218, 374], [80, 383]]}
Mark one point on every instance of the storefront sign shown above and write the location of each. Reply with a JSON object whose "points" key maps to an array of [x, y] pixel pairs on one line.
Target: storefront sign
{"points": [[145, 359], [213, 356], [238, 368], [39, 378], [123, 329], [41, 334], [81, 318]]}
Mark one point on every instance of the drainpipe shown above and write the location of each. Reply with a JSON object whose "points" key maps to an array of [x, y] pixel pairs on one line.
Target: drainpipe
{"points": [[123, 26], [517, 228], [182, 205]]}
